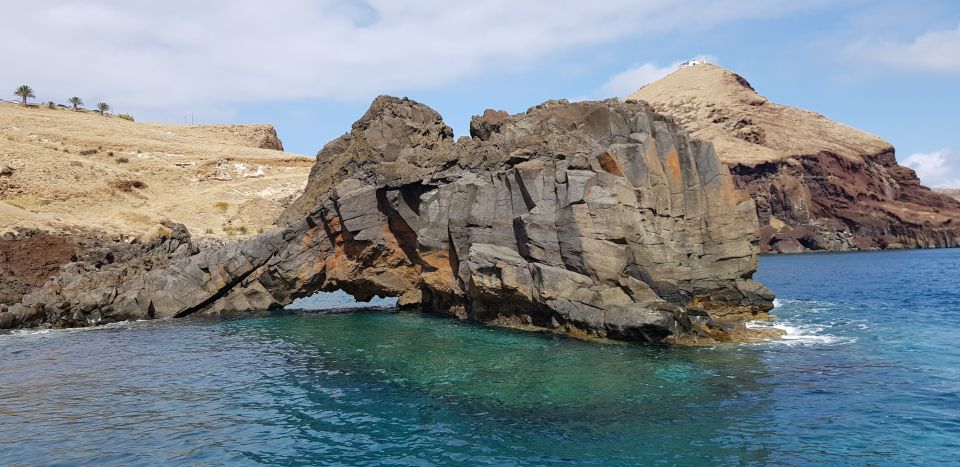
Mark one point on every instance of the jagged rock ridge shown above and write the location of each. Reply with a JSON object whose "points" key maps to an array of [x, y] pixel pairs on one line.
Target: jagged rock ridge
{"points": [[593, 218], [818, 184]]}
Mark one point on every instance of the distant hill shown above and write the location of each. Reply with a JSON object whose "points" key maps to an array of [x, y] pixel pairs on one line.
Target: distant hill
{"points": [[79, 172], [818, 184], [952, 192]]}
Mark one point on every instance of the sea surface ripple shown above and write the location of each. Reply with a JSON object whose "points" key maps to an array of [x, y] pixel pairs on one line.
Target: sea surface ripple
{"points": [[869, 374]]}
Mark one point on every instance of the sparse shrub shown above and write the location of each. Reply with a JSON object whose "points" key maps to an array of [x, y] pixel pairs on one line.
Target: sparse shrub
{"points": [[232, 230], [52, 105], [87, 152], [66, 150], [110, 153], [126, 117], [121, 159], [208, 231], [222, 205], [127, 186], [76, 163]]}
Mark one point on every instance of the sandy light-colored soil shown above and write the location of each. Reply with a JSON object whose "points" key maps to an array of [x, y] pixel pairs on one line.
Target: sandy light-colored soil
{"points": [[718, 105], [76, 172], [952, 192]]}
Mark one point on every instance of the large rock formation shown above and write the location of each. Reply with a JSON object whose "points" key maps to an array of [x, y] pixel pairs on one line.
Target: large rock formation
{"points": [[593, 218], [818, 185]]}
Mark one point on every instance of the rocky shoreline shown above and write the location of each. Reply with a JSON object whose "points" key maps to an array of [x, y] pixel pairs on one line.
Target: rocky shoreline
{"points": [[594, 219]]}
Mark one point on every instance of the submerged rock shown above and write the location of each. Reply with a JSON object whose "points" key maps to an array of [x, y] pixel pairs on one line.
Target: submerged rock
{"points": [[592, 218]]}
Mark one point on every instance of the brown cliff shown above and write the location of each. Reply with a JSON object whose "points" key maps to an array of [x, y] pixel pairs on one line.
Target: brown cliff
{"points": [[818, 184]]}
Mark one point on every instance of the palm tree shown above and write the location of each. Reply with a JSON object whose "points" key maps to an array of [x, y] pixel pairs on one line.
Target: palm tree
{"points": [[103, 108], [24, 92], [76, 102]]}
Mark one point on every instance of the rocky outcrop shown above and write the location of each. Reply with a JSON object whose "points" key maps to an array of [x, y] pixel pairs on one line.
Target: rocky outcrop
{"points": [[825, 202], [595, 219], [28, 258], [262, 136], [818, 184]]}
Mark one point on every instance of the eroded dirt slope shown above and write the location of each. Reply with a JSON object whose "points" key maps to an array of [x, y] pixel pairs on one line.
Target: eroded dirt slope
{"points": [[74, 172]]}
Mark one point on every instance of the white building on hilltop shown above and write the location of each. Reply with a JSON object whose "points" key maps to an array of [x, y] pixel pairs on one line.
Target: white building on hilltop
{"points": [[694, 62]]}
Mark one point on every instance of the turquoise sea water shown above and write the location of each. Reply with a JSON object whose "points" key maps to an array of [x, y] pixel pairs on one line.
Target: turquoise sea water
{"points": [[869, 374]]}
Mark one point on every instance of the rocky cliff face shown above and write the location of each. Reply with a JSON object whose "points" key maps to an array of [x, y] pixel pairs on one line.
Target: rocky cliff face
{"points": [[596, 219], [818, 185]]}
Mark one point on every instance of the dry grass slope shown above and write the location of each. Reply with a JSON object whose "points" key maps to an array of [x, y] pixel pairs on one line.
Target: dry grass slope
{"points": [[718, 105], [952, 192], [66, 171]]}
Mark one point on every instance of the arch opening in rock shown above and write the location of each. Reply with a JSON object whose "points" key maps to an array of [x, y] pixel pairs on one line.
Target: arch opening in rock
{"points": [[592, 218]]}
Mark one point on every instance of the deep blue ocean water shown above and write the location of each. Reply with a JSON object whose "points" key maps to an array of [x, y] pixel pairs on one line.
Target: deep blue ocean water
{"points": [[869, 374]]}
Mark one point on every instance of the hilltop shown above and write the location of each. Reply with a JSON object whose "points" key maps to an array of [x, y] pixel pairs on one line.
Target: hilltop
{"points": [[818, 184], [63, 171]]}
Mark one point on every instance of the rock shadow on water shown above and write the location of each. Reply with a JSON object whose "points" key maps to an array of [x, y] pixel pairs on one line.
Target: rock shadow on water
{"points": [[510, 386]]}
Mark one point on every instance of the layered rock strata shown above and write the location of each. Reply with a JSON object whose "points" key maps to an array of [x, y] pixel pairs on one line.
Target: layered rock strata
{"points": [[596, 219], [818, 184]]}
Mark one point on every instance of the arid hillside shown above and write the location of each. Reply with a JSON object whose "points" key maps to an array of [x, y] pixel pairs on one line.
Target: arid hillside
{"points": [[952, 192], [818, 184], [63, 171]]}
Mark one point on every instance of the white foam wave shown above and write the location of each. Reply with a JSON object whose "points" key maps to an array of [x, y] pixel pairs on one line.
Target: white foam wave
{"points": [[29, 332], [797, 334], [37, 332]]}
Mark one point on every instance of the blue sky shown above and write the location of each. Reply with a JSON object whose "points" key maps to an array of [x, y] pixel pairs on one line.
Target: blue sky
{"points": [[311, 67]]}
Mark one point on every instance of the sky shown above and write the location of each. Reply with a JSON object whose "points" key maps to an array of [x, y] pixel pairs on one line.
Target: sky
{"points": [[312, 67]]}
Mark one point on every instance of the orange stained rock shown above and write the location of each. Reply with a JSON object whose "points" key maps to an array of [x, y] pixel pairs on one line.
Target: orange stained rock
{"points": [[673, 167], [609, 163]]}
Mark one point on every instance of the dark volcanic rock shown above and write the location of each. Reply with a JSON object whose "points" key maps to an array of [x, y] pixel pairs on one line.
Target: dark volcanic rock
{"points": [[826, 202], [28, 259], [592, 218]]}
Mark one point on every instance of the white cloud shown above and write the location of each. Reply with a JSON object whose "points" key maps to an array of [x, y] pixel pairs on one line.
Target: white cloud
{"points": [[177, 56], [937, 169], [934, 51], [627, 82]]}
